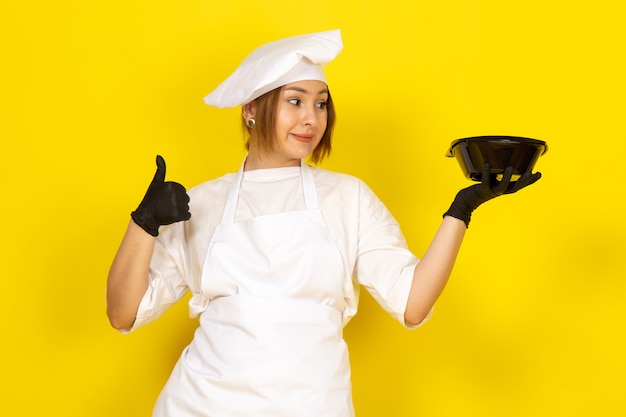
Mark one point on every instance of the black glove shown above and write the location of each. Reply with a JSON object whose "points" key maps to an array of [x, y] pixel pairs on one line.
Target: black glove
{"points": [[164, 202], [468, 199]]}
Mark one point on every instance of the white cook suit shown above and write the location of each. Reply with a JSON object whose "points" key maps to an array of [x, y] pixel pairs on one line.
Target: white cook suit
{"points": [[274, 259]]}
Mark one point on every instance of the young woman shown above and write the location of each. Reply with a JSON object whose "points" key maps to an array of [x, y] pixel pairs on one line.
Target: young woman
{"points": [[274, 255]]}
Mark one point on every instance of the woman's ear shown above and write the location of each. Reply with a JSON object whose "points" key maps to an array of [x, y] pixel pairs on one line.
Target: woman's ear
{"points": [[248, 111]]}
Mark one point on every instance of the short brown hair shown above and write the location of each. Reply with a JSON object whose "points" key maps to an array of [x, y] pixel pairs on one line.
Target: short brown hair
{"points": [[265, 123]]}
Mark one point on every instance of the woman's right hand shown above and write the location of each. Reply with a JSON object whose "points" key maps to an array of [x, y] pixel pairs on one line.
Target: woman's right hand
{"points": [[165, 202]]}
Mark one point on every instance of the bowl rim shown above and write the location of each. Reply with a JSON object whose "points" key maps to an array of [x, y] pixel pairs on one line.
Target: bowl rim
{"points": [[498, 139]]}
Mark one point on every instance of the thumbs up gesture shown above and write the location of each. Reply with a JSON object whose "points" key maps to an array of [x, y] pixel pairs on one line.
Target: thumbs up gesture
{"points": [[165, 202]]}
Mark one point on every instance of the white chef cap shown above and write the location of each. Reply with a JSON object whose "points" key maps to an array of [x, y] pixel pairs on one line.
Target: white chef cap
{"points": [[275, 64]]}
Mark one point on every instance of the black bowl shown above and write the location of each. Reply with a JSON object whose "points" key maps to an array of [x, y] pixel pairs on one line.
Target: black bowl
{"points": [[499, 151]]}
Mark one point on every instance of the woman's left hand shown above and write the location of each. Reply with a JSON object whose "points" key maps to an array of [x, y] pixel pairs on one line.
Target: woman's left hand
{"points": [[468, 199]]}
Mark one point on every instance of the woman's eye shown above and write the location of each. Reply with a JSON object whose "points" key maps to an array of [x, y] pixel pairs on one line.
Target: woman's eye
{"points": [[294, 101], [321, 105]]}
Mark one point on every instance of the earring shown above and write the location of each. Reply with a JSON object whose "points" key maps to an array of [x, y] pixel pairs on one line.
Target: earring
{"points": [[250, 123]]}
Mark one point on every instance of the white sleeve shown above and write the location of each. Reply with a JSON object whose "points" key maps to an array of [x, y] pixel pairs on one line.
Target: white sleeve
{"points": [[178, 256], [384, 264]]}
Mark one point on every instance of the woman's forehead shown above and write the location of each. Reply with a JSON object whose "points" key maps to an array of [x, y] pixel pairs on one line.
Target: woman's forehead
{"points": [[307, 87]]}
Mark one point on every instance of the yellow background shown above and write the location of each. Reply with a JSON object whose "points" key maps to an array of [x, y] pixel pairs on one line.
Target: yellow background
{"points": [[532, 322]]}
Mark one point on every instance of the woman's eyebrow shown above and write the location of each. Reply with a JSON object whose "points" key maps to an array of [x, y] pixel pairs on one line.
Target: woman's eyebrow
{"points": [[304, 91]]}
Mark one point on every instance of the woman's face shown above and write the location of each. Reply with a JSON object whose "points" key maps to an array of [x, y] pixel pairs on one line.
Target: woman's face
{"points": [[301, 119]]}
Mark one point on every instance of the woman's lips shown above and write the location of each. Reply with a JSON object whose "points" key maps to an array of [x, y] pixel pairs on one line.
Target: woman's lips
{"points": [[302, 137]]}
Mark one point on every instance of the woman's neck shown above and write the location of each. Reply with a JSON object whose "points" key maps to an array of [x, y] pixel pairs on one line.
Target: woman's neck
{"points": [[256, 162]]}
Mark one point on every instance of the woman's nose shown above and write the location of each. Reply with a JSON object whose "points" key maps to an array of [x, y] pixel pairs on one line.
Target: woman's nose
{"points": [[309, 117]]}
